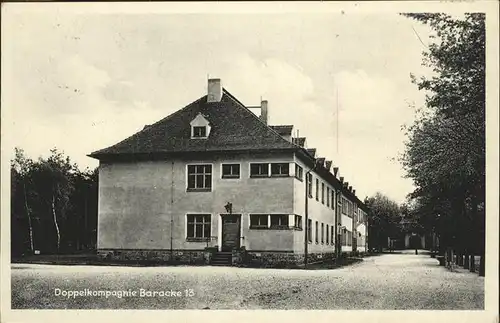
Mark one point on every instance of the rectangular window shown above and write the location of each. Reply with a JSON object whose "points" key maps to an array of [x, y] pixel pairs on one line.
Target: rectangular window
{"points": [[309, 185], [258, 221], [317, 232], [332, 202], [309, 230], [317, 189], [259, 170], [322, 233], [198, 227], [323, 193], [327, 235], [230, 170], [299, 172], [199, 177], [279, 221], [332, 237], [328, 196], [199, 132], [298, 222], [344, 205], [280, 169]]}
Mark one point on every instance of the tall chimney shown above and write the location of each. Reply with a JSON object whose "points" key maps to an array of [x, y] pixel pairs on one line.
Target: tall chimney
{"points": [[353, 191], [263, 111], [214, 90]]}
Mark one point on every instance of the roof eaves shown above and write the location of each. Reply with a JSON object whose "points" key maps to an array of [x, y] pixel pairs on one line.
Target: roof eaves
{"points": [[103, 151]]}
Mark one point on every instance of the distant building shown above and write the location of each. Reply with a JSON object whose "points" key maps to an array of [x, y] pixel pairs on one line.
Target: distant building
{"points": [[214, 183], [412, 234]]}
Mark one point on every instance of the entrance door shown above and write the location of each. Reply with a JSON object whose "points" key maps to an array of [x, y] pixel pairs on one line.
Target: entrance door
{"points": [[230, 231]]}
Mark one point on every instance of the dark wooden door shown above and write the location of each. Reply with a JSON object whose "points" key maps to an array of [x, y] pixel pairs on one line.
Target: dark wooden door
{"points": [[230, 232]]}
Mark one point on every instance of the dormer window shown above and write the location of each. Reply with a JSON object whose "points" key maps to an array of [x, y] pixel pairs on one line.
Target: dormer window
{"points": [[199, 132], [200, 127]]}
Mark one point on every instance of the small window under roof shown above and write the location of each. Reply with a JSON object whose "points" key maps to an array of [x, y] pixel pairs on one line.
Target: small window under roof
{"points": [[200, 127]]}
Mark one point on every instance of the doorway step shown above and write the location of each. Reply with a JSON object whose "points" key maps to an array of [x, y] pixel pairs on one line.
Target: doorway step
{"points": [[223, 258]]}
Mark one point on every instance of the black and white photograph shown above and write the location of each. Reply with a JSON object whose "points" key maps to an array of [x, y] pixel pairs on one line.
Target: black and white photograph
{"points": [[211, 156]]}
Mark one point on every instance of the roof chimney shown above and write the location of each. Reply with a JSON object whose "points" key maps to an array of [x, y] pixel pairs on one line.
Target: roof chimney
{"points": [[354, 191], [341, 178], [214, 90], [263, 111], [350, 188]]}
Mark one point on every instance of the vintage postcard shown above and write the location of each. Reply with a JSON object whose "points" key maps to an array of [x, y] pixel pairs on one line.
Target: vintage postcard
{"points": [[338, 160]]}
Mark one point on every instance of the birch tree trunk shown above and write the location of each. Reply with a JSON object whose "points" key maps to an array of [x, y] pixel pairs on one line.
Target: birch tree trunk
{"points": [[55, 220], [32, 246]]}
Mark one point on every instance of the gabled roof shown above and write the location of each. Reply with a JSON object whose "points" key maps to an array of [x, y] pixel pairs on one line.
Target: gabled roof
{"points": [[328, 164], [299, 141], [234, 127], [321, 161], [284, 130]]}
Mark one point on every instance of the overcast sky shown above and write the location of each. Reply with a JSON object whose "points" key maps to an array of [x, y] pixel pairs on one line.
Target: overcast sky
{"points": [[83, 82]]}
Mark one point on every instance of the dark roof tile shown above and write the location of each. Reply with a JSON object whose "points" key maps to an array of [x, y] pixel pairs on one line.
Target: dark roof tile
{"points": [[233, 127], [299, 141], [312, 151], [284, 130]]}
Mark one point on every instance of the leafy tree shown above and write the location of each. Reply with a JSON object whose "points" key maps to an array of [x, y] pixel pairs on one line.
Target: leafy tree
{"points": [[384, 217], [54, 205], [20, 209], [445, 150], [52, 178]]}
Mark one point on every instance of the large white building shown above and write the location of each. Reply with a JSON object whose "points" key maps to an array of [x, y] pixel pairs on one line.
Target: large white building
{"points": [[215, 183]]}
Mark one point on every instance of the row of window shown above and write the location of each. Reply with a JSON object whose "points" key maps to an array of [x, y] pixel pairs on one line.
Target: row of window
{"points": [[199, 226], [361, 216], [327, 194], [346, 238], [347, 207], [200, 176], [326, 235], [274, 221]]}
